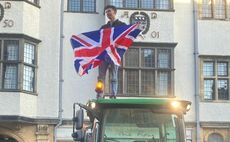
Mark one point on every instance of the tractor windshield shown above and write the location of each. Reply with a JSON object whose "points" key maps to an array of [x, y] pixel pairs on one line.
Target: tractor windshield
{"points": [[140, 125]]}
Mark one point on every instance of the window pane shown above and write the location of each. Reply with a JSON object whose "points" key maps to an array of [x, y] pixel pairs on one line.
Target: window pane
{"points": [[131, 58], [132, 82], [74, 5], [222, 69], [148, 4], [163, 83], [147, 58], [223, 89], [164, 58], [162, 4], [140, 125], [208, 69], [131, 3], [228, 9], [28, 78], [11, 50], [147, 82], [29, 53], [117, 3], [88, 5], [219, 9], [215, 138], [207, 8], [10, 76], [209, 89]]}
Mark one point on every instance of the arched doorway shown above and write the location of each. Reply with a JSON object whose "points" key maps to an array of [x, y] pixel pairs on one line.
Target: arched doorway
{"points": [[214, 137], [4, 138]]}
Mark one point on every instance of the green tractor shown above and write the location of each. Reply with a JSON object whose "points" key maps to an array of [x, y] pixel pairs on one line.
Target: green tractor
{"points": [[131, 119]]}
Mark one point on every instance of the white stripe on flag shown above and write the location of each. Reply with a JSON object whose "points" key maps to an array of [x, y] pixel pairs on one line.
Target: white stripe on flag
{"points": [[87, 39], [112, 57]]}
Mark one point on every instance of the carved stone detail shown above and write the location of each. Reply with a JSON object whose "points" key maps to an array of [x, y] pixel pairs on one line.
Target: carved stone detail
{"points": [[42, 133]]}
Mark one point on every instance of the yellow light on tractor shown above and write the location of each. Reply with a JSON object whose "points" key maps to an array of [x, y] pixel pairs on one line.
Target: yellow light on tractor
{"points": [[180, 106], [175, 104], [99, 87]]}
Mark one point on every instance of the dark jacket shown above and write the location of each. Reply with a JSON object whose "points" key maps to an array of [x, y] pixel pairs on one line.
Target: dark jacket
{"points": [[114, 24]]}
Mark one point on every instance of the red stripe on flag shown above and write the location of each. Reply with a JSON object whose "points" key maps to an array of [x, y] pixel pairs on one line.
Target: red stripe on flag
{"points": [[106, 38], [125, 42], [96, 63], [88, 52]]}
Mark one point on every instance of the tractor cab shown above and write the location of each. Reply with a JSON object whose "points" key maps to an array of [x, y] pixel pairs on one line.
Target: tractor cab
{"points": [[128, 119]]}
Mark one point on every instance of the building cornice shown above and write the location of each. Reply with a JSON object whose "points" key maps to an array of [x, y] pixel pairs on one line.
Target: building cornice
{"points": [[217, 56], [24, 36], [23, 119], [155, 44], [216, 124]]}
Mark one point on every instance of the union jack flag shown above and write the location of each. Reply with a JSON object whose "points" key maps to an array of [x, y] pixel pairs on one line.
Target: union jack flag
{"points": [[92, 48]]}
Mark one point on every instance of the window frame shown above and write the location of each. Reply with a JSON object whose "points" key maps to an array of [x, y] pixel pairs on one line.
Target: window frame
{"points": [[20, 63], [34, 66], [81, 7], [215, 77], [155, 69], [171, 6], [34, 2], [213, 16]]}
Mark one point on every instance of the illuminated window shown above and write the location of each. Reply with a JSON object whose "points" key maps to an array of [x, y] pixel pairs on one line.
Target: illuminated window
{"points": [[219, 9], [215, 9], [29, 67], [206, 8]]}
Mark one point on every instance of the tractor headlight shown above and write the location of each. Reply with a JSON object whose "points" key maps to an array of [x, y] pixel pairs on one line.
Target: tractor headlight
{"points": [[188, 107], [175, 104]]}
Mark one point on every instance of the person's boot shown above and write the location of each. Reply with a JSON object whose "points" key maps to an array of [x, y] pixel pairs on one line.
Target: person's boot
{"points": [[112, 97]]}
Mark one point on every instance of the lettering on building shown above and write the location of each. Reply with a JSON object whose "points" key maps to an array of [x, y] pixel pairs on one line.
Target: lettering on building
{"points": [[6, 22], [155, 34]]}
